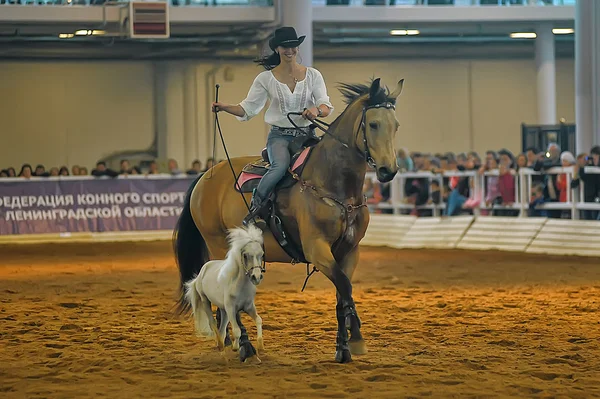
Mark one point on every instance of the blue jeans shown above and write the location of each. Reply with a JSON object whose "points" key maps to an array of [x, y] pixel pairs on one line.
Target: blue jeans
{"points": [[279, 158], [455, 203]]}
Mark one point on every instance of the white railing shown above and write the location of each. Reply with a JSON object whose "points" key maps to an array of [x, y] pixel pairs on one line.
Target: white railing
{"points": [[523, 184]]}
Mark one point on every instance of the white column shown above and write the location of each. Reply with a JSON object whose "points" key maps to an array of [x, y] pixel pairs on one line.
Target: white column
{"points": [[190, 115], [298, 14], [169, 112], [587, 70], [545, 61]]}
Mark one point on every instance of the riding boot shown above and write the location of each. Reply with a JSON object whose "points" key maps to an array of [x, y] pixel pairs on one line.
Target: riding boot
{"points": [[256, 206]]}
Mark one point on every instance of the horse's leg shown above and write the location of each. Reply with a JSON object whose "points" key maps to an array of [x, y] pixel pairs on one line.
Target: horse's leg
{"points": [[246, 349], [357, 344], [206, 308], [258, 320], [320, 253], [223, 328], [231, 315], [223, 331]]}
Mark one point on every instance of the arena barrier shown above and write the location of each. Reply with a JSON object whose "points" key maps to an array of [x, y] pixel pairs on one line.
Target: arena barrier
{"points": [[138, 208], [90, 208]]}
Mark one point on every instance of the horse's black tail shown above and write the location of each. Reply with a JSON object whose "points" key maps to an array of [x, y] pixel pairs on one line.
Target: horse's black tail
{"points": [[190, 249]]}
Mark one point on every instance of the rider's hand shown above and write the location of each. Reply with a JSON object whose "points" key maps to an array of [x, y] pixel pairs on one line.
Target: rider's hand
{"points": [[310, 113], [217, 106]]}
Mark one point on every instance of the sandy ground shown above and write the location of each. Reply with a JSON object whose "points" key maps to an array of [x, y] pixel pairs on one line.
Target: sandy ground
{"points": [[95, 320]]}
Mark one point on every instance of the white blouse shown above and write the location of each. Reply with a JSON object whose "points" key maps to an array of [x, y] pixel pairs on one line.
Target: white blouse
{"points": [[308, 93]]}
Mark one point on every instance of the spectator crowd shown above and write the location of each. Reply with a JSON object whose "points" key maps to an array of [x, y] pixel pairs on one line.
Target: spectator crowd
{"points": [[457, 193], [499, 169], [101, 169]]}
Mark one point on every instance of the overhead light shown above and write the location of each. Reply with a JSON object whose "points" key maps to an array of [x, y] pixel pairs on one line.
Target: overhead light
{"points": [[523, 35], [83, 32], [563, 31], [98, 32], [66, 35], [404, 32]]}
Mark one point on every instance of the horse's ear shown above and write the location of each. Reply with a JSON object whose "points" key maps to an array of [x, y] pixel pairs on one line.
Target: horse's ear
{"points": [[375, 86], [398, 89]]}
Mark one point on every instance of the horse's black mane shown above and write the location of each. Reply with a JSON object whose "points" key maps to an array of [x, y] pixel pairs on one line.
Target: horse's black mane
{"points": [[351, 92]]}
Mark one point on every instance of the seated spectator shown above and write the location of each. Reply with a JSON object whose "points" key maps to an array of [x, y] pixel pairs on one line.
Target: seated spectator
{"points": [[25, 171], [83, 171], [135, 170], [153, 170], [173, 167], [591, 183], [537, 199], [75, 170], [210, 162], [12, 172], [40, 171], [506, 158], [101, 170], [124, 168], [532, 156], [436, 195], [4, 173], [405, 163], [461, 193], [506, 187], [492, 188], [567, 159], [64, 171], [53, 171], [196, 168], [521, 161], [547, 161], [373, 193]]}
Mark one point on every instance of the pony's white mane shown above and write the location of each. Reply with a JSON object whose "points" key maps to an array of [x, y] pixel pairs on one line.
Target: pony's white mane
{"points": [[238, 238]]}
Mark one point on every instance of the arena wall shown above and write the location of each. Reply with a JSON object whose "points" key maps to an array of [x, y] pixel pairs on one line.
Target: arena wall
{"points": [[69, 113]]}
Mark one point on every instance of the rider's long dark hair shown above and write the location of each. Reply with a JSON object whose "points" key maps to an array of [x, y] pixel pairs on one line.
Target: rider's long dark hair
{"points": [[269, 62]]}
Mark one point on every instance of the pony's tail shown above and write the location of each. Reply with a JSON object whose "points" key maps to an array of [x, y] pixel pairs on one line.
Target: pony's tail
{"points": [[190, 249], [201, 321]]}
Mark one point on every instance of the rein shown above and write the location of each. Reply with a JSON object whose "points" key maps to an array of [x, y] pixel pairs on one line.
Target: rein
{"points": [[235, 177]]}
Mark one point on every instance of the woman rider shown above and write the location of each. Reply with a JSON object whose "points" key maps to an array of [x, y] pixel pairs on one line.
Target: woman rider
{"points": [[290, 87]]}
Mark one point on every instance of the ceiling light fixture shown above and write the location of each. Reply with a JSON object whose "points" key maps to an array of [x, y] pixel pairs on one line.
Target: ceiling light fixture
{"points": [[404, 32], [523, 35], [563, 31]]}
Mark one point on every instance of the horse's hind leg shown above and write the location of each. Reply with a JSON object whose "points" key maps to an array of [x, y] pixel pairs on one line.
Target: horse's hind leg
{"points": [[206, 308], [223, 328], [222, 324], [357, 344]]}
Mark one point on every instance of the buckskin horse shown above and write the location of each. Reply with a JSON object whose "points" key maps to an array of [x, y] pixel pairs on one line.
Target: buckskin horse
{"points": [[318, 213]]}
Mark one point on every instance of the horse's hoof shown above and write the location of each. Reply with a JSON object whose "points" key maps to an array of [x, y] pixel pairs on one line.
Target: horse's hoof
{"points": [[246, 351], [343, 356], [253, 360], [358, 347]]}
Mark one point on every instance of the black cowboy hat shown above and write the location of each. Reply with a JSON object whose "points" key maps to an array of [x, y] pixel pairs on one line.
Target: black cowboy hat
{"points": [[285, 37]]}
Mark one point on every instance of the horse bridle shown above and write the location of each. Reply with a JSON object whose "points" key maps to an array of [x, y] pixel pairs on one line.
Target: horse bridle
{"points": [[262, 267], [366, 154]]}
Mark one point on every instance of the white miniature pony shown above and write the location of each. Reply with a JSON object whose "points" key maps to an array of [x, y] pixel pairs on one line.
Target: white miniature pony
{"points": [[229, 284]]}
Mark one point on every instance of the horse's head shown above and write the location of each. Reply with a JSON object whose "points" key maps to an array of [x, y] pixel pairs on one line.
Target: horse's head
{"points": [[252, 259], [377, 125], [246, 244]]}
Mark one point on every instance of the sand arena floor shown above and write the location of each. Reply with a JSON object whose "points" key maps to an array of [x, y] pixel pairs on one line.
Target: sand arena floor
{"points": [[94, 320]]}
